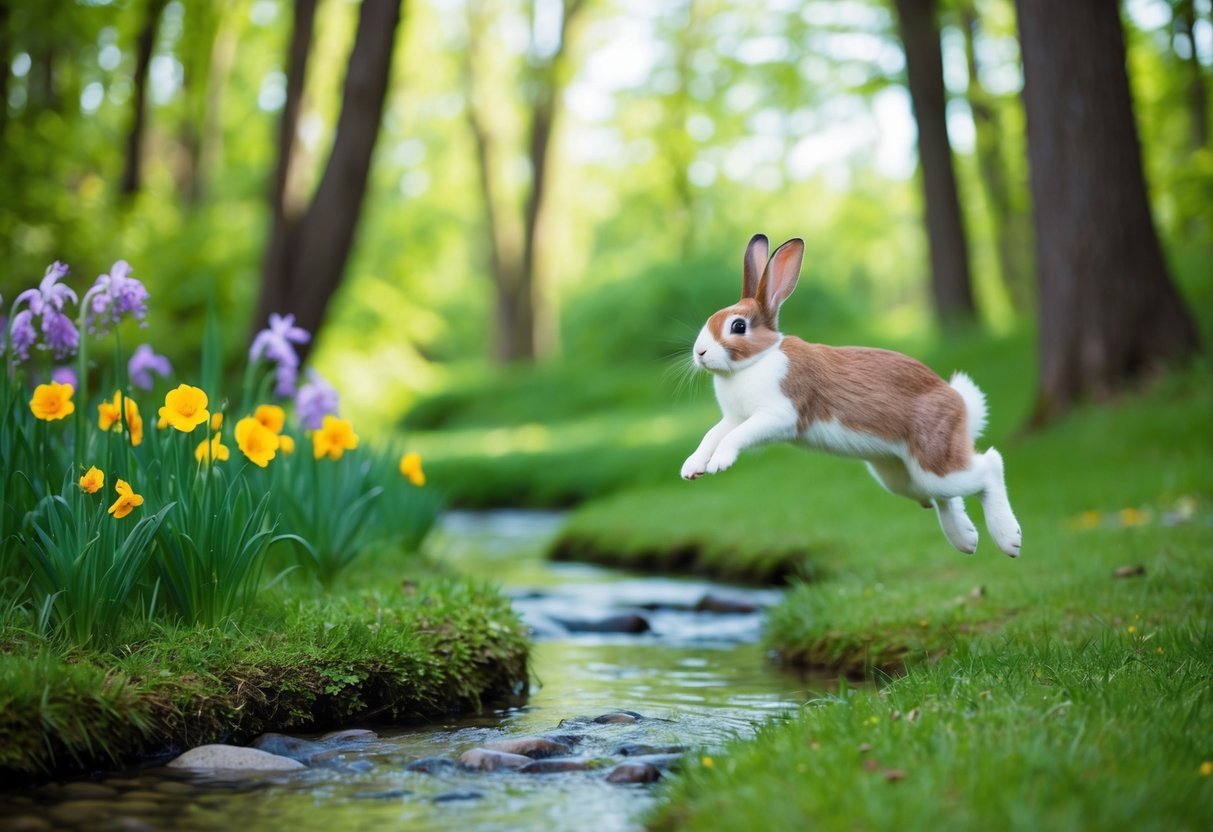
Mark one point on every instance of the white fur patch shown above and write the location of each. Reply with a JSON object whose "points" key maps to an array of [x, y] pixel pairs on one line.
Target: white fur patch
{"points": [[832, 437], [975, 402]]}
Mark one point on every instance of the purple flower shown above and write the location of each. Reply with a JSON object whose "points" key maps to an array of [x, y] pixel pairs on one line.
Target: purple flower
{"points": [[285, 377], [64, 375], [22, 333], [275, 343], [50, 292], [60, 332], [114, 295], [315, 400], [143, 363]]}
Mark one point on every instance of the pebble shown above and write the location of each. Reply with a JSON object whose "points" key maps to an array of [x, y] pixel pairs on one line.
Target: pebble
{"points": [[393, 794], [641, 750], [629, 623], [537, 748], [724, 605], [451, 797], [173, 787], [555, 766], [431, 765], [618, 718], [485, 759], [349, 736], [82, 789], [233, 758], [633, 773], [293, 747]]}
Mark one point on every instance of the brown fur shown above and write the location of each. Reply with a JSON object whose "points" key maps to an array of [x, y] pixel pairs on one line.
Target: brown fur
{"points": [[868, 389], [759, 336]]}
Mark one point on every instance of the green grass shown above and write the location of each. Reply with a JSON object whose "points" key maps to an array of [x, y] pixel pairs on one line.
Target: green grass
{"points": [[427, 649]]}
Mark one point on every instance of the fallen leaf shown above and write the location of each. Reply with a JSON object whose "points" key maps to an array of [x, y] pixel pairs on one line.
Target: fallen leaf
{"points": [[1133, 571]]}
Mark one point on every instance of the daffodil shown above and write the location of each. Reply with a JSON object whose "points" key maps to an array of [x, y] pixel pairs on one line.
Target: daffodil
{"points": [[216, 421], [334, 438], [286, 443], [272, 416], [410, 468], [107, 416], [212, 449], [127, 500], [52, 401], [185, 408], [256, 441], [93, 480]]}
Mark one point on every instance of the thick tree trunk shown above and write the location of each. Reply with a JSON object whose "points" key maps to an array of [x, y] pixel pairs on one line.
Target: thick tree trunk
{"points": [[1009, 234], [1107, 308], [145, 44], [317, 246], [951, 286], [276, 267]]}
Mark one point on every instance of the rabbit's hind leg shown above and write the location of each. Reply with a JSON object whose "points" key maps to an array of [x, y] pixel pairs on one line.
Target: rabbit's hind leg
{"points": [[956, 525]]}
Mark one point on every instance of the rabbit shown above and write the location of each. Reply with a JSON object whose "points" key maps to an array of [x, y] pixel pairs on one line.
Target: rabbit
{"points": [[914, 430]]}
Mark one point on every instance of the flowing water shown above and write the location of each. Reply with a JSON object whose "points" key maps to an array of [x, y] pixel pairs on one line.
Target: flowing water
{"points": [[697, 678]]}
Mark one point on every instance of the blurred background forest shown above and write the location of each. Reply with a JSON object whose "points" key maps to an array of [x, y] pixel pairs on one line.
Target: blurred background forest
{"points": [[565, 182]]}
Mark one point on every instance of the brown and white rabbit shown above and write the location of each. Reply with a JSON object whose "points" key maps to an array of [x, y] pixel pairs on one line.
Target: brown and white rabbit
{"points": [[914, 430]]}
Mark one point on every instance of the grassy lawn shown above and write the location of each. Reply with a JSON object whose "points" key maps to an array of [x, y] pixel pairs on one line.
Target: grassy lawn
{"points": [[376, 650]]}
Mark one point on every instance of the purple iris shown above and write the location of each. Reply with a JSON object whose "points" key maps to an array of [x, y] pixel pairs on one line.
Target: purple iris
{"points": [[50, 292], [143, 363], [22, 334], [114, 295], [61, 335], [44, 310], [315, 400], [276, 344]]}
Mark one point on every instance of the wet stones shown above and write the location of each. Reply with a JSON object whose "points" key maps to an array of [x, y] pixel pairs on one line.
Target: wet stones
{"points": [[233, 758], [295, 748], [641, 750], [431, 765], [725, 605], [537, 748], [485, 759], [555, 766], [634, 773], [630, 623]]}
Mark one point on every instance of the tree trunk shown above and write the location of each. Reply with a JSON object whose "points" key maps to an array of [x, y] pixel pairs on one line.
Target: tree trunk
{"points": [[951, 287], [1108, 311], [1009, 236], [145, 44], [6, 62], [303, 274], [1198, 95], [525, 314]]}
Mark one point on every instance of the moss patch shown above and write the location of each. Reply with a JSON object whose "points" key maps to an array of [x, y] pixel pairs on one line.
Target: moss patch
{"points": [[448, 647]]}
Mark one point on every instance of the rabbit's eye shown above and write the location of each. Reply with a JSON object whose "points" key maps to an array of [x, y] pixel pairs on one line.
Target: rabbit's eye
{"points": [[738, 327]]}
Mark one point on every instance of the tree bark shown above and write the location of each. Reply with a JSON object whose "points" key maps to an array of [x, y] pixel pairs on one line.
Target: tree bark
{"points": [[306, 268], [145, 44], [951, 286], [1108, 311], [1009, 233], [1198, 95]]}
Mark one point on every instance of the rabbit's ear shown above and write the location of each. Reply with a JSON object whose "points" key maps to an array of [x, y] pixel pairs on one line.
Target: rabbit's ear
{"points": [[780, 276], [752, 268]]}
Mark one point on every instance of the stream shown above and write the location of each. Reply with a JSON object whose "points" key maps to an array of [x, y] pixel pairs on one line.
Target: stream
{"points": [[693, 679]]}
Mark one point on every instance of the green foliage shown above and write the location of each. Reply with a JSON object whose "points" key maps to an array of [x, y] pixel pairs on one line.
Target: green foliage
{"points": [[340, 510], [86, 568]]}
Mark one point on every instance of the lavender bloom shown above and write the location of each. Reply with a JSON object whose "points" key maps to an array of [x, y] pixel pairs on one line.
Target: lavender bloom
{"points": [[50, 294], [315, 400], [285, 377], [275, 343], [114, 295], [22, 333], [60, 332], [143, 363], [64, 375]]}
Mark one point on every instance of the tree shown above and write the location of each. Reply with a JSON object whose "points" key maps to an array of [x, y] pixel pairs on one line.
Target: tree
{"points": [[145, 44], [308, 248], [1108, 310], [525, 316], [1197, 88], [951, 286]]}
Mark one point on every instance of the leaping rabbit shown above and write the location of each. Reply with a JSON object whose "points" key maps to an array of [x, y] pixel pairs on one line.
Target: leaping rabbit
{"points": [[914, 430]]}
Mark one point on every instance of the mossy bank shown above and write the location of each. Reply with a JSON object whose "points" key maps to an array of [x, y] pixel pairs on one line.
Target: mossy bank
{"points": [[429, 649]]}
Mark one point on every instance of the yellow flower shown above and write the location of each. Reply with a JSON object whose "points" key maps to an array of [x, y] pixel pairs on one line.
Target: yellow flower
{"points": [[107, 417], [707, 762], [212, 448], [286, 443], [216, 421], [256, 441], [1132, 517], [410, 467], [1206, 768], [185, 408], [93, 480], [52, 401], [272, 416], [127, 500], [1131, 629], [162, 422], [1087, 520], [335, 437]]}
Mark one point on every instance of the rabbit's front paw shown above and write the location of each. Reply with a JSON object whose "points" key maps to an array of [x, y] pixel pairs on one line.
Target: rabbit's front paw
{"points": [[693, 468], [722, 460]]}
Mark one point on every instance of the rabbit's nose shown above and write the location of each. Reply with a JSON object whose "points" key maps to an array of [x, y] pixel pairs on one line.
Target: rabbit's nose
{"points": [[701, 353]]}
